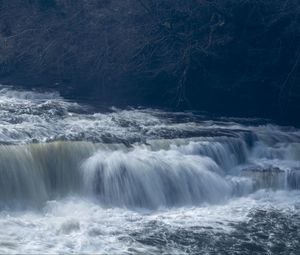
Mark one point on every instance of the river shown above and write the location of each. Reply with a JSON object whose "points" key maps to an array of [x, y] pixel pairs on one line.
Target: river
{"points": [[76, 179]]}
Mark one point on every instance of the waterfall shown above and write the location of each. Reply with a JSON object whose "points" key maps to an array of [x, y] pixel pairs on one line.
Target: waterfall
{"points": [[52, 148], [76, 180], [187, 173]]}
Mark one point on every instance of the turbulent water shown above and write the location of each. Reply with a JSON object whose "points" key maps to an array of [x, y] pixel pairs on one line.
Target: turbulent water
{"points": [[77, 180]]}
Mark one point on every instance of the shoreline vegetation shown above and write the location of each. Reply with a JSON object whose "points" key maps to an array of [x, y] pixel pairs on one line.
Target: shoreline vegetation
{"points": [[231, 57]]}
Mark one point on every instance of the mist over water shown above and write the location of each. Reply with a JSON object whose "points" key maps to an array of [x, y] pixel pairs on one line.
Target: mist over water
{"points": [[74, 179]]}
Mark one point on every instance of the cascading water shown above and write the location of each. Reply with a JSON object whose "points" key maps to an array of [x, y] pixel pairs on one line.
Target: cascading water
{"points": [[142, 181]]}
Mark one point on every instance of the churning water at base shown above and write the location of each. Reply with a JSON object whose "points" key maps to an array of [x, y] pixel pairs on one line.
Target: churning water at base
{"points": [[73, 180]]}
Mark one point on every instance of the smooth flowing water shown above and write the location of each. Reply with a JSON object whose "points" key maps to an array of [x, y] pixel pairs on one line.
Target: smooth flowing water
{"points": [[143, 181]]}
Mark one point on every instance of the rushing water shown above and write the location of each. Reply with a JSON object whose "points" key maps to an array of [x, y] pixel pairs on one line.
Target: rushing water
{"points": [[76, 180]]}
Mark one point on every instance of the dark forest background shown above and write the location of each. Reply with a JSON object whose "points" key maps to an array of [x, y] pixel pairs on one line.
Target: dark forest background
{"points": [[232, 57]]}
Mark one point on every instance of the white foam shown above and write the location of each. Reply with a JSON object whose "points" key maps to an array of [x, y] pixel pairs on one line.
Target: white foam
{"points": [[75, 225]]}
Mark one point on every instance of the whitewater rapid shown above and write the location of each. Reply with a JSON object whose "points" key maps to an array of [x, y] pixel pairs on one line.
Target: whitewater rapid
{"points": [[74, 179]]}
